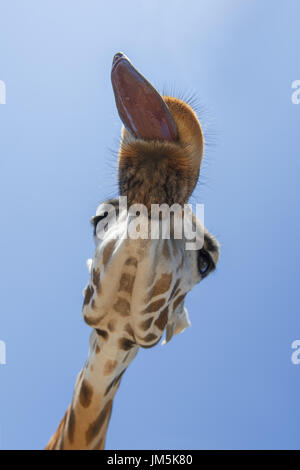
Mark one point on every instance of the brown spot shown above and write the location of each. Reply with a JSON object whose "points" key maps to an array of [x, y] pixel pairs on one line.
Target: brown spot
{"points": [[96, 276], [108, 251], [174, 289], [145, 325], [126, 283], [155, 306], [178, 300], [126, 344], [109, 366], [96, 279], [85, 394], [97, 349], [95, 427], [129, 330], [162, 285], [71, 425], [150, 345], [102, 333], [149, 337], [111, 325], [122, 306], [89, 291], [92, 321], [131, 261], [162, 319]]}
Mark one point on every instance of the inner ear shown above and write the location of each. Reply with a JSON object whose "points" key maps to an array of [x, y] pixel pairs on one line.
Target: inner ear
{"points": [[141, 108]]}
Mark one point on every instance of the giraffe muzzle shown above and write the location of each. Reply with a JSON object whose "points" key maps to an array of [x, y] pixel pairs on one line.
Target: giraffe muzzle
{"points": [[141, 108]]}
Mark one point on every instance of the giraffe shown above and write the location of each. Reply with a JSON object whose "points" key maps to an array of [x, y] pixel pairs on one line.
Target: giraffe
{"points": [[137, 286]]}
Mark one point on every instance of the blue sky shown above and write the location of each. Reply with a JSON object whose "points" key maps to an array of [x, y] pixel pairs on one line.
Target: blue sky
{"points": [[228, 382]]}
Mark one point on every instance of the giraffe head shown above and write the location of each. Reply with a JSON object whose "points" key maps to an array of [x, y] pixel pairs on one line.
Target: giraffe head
{"points": [[138, 284], [162, 140]]}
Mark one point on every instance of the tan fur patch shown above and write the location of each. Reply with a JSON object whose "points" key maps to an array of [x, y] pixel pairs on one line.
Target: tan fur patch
{"points": [[115, 381], [129, 330], [126, 357], [107, 252], [52, 444], [99, 444]]}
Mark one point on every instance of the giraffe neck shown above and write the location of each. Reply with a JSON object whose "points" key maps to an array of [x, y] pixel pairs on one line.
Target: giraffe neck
{"points": [[85, 423], [135, 292]]}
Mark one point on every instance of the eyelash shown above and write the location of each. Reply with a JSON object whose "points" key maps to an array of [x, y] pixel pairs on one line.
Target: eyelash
{"points": [[204, 258]]}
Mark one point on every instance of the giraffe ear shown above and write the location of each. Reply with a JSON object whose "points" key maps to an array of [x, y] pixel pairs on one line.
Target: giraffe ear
{"points": [[141, 108]]}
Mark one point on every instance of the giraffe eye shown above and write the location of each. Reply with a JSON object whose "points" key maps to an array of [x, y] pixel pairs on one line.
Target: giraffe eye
{"points": [[97, 219], [204, 263]]}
